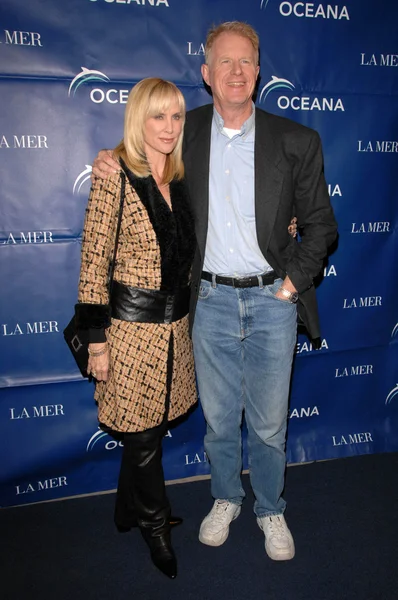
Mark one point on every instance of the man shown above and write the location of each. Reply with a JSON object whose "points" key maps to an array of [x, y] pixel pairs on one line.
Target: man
{"points": [[248, 172]]}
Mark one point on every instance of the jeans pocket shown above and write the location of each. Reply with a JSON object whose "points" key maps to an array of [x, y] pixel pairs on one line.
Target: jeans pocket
{"points": [[205, 288]]}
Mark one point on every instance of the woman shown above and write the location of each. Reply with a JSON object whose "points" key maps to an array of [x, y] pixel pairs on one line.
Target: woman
{"points": [[141, 358]]}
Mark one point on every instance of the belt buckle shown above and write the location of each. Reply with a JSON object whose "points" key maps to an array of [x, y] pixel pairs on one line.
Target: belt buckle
{"points": [[240, 282]]}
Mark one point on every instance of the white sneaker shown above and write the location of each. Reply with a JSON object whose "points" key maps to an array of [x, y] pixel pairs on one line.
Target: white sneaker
{"points": [[279, 544], [214, 529]]}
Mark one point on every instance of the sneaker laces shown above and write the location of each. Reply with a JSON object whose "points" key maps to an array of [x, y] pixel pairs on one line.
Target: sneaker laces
{"points": [[276, 527], [219, 511]]}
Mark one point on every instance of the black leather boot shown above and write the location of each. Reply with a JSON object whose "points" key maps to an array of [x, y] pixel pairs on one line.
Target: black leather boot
{"points": [[125, 516], [142, 490], [174, 522], [162, 552]]}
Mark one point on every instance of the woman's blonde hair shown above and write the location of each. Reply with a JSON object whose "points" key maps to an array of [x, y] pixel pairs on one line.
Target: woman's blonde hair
{"points": [[150, 97]]}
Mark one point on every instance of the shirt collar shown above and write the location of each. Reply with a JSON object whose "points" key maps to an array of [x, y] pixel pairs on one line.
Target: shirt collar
{"points": [[246, 128]]}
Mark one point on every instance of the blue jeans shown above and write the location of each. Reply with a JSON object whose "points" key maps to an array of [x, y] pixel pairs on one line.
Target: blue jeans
{"points": [[244, 339]]}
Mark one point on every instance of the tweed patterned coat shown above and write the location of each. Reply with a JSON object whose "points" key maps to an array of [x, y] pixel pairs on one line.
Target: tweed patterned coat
{"points": [[155, 251]]}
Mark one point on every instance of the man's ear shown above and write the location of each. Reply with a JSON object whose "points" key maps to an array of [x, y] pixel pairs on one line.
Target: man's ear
{"points": [[205, 73]]}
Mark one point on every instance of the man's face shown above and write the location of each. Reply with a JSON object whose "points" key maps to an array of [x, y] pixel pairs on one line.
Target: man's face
{"points": [[232, 71]]}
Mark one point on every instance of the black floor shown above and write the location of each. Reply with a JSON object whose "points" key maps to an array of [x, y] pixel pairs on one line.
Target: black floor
{"points": [[343, 515]]}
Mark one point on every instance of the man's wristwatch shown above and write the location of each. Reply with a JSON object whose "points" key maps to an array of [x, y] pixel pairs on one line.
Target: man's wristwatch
{"points": [[291, 296]]}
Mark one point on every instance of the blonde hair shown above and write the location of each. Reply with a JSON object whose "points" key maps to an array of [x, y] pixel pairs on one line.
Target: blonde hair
{"points": [[237, 27], [148, 98]]}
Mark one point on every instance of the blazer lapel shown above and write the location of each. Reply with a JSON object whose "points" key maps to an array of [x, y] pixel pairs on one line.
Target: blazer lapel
{"points": [[268, 180], [197, 160]]}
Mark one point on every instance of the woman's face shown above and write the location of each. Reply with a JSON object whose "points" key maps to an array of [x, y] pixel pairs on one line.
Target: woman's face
{"points": [[162, 131]]}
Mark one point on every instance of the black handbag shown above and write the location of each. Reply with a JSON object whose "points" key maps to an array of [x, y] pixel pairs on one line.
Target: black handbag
{"points": [[76, 336]]}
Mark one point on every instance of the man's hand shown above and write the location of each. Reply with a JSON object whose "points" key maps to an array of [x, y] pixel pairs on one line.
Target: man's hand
{"points": [[105, 164], [287, 284], [292, 229]]}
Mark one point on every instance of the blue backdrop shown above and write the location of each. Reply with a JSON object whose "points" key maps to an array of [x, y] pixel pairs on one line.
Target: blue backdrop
{"points": [[65, 72]]}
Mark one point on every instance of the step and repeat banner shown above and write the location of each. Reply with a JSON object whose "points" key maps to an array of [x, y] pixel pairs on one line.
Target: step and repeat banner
{"points": [[65, 72]]}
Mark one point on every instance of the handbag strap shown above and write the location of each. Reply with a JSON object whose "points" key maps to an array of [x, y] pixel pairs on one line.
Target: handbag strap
{"points": [[119, 222]]}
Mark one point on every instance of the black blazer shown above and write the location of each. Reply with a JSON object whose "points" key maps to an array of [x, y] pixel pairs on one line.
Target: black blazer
{"points": [[289, 180]]}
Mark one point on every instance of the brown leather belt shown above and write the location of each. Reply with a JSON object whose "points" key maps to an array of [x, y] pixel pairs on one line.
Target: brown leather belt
{"points": [[242, 282]]}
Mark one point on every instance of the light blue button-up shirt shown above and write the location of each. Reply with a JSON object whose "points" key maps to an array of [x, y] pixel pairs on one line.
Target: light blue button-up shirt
{"points": [[231, 246]]}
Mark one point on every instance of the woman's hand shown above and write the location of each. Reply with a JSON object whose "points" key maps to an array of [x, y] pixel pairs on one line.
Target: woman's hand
{"points": [[292, 229], [98, 366], [104, 164]]}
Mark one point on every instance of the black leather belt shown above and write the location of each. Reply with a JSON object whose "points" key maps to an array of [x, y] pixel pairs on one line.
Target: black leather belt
{"points": [[242, 282], [148, 306]]}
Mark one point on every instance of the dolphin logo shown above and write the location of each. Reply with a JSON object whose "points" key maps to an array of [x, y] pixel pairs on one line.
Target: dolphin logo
{"points": [[394, 331], [392, 394], [274, 84], [85, 76], [94, 439], [263, 4], [81, 179]]}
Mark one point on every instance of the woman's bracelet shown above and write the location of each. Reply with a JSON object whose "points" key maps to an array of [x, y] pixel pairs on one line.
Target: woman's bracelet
{"points": [[96, 353]]}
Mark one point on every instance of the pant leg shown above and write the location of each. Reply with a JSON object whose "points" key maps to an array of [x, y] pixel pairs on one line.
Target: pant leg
{"points": [[218, 363], [270, 339]]}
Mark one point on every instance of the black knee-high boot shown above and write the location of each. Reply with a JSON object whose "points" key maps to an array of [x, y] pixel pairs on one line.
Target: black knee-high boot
{"points": [[142, 489], [125, 514]]}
